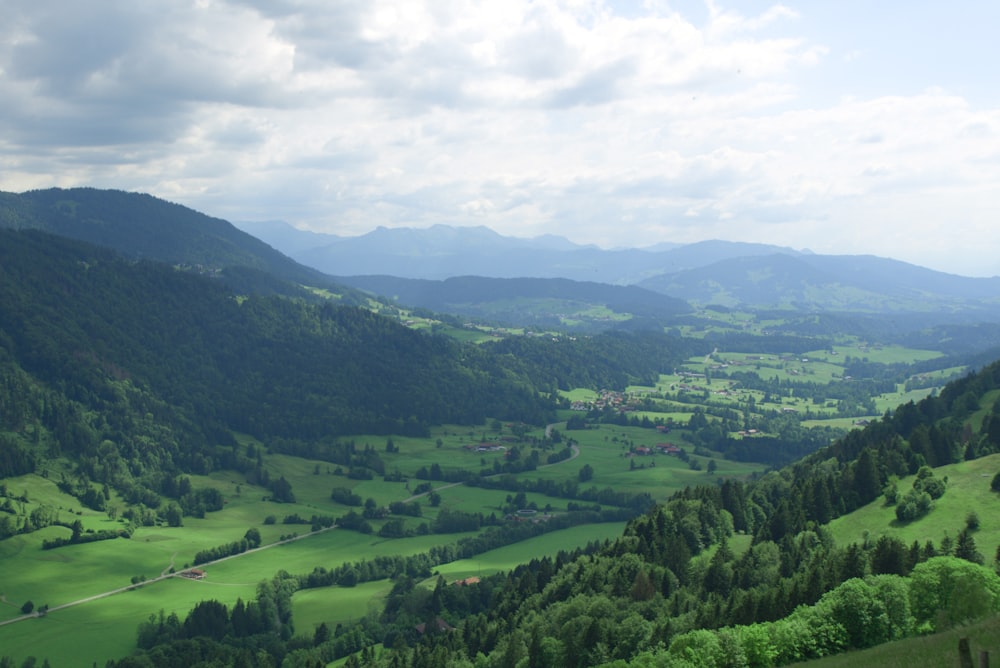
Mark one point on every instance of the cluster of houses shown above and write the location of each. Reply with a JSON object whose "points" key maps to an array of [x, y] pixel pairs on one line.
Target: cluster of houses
{"points": [[659, 448], [619, 401]]}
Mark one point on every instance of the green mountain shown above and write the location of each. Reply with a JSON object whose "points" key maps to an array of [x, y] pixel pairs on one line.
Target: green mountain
{"points": [[130, 371], [141, 226], [98, 339], [813, 283], [183, 362], [542, 302]]}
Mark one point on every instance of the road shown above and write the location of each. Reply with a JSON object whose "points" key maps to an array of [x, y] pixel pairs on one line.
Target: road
{"points": [[167, 574]]}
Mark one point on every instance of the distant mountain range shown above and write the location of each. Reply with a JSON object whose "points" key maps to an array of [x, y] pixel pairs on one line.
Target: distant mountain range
{"points": [[444, 251], [726, 273], [445, 268]]}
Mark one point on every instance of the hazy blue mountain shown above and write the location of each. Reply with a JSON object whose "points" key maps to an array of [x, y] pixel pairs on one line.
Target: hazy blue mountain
{"points": [[721, 272], [444, 251], [830, 283], [284, 237]]}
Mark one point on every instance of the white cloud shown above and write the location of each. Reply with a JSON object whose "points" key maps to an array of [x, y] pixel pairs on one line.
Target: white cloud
{"points": [[575, 118]]}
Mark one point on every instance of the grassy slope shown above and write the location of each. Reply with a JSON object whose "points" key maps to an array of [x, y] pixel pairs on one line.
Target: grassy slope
{"points": [[968, 490]]}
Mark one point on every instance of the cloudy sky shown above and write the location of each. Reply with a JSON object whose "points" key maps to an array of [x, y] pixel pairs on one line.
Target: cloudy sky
{"points": [[841, 127]]}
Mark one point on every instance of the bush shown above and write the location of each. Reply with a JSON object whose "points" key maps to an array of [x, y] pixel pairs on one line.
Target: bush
{"points": [[913, 506], [346, 496]]}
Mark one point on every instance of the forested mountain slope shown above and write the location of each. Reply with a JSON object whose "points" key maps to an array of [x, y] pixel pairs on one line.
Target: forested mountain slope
{"points": [[165, 365], [144, 227], [672, 592], [536, 301]]}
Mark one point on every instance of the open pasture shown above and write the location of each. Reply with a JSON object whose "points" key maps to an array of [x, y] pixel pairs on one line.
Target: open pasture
{"points": [[606, 448], [337, 605], [508, 557], [968, 490], [91, 633]]}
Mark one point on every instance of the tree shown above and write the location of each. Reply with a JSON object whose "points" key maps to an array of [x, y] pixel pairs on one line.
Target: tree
{"points": [[27, 607], [946, 591], [586, 473], [866, 478], [712, 467], [965, 547], [252, 537]]}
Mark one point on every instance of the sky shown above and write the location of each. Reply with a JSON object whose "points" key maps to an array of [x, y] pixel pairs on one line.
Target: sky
{"points": [[849, 127]]}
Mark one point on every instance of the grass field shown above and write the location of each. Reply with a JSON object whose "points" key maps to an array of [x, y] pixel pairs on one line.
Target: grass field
{"points": [[968, 490], [71, 573]]}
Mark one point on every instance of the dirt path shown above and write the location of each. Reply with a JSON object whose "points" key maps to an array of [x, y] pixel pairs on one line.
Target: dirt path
{"points": [[170, 566]]}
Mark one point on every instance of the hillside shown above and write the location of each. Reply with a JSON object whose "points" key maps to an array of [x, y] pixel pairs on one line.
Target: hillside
{"points": [[140, 226], [94, 331], [138, 395], [831, 283], [555, 303], [179, 360]]}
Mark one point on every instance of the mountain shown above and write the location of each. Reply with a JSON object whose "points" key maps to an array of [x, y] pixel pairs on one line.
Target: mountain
{"points": [[112, 335], [860, 283], [284, 237], [520, 301], [443, 251], [727, 273], [141, 226], [745, 275]]}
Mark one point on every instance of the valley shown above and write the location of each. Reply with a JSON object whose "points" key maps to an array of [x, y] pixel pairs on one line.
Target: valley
{"points": [[607, 485]]}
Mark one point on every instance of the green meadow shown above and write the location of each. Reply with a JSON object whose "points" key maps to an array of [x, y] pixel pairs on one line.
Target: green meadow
{"points": [[967, 490], [74, 572]]}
